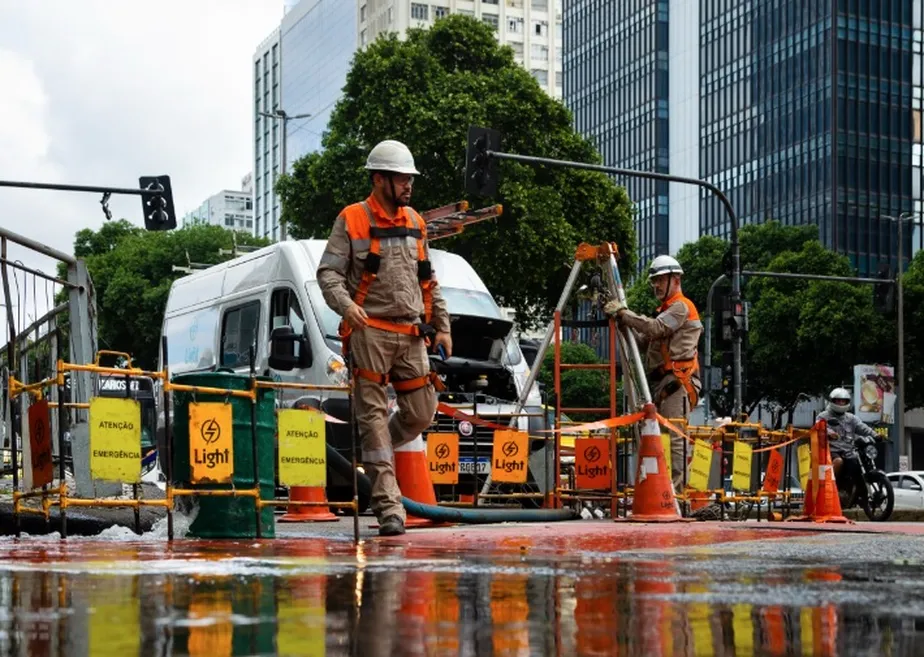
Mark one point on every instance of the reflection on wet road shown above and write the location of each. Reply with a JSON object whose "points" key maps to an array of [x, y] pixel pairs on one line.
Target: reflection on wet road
{"points": [[671, 591]]}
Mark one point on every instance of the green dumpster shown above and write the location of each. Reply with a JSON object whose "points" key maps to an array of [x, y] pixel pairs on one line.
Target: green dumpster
{"points": [[229, 517]]}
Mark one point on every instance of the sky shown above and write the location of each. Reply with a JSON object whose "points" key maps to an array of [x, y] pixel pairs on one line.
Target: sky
{"points": [[100, 92]]}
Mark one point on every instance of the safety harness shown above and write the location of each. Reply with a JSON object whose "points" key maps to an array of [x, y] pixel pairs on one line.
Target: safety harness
{"points": [[683, 370], [370, 273]]}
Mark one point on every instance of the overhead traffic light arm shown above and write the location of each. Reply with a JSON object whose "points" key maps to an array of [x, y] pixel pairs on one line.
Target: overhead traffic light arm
{"points": [[154, 191]]}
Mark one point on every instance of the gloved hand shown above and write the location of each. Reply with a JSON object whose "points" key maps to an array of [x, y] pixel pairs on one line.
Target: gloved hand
{"points": [[613, 307]]}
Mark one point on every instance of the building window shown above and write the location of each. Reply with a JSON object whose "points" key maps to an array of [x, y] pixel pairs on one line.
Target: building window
{"points": [[419, 11], [490, 19], [467, 12], [515, 4], [541, 5], [489, 2], [541, 28], [362, 38], [540, 52], [440, 12], [362, 14], [515, 25], [541, 76], [391, 18], [517, 49]]}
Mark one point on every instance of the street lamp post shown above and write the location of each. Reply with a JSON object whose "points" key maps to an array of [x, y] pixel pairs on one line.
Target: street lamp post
{"points": [[278, 114], [903, 443]]}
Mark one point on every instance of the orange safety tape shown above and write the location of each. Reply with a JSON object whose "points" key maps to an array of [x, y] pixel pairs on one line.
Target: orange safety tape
{"points": [[767, 449], [610, 423], [666, 423], [446, 409]]}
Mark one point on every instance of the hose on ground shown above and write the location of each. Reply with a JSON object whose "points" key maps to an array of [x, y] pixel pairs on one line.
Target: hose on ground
{"points": [[344, 468]]}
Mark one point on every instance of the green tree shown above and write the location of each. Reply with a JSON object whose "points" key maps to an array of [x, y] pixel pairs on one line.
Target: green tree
{"points": [[579, 388], [805, 336], [426, 91], [132, 270]]}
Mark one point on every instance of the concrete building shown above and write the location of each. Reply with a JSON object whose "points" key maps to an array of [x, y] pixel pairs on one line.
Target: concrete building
{"points": [[228, 208], [531, 27], [739, 93], [267, 137]]}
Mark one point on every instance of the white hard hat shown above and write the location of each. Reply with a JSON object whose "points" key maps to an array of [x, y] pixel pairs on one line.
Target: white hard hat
{"points": [[663, 264], [392, 156], [839, 401]]}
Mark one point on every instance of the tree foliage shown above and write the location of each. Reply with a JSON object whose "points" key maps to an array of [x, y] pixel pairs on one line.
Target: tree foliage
{"points": [[913, 284], [132, 270], [426, 91], [579, 388], [805, 336]]}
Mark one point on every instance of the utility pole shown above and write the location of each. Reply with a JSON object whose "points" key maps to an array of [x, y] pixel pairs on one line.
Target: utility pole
{"points": [[278, 114], [904, 445]]}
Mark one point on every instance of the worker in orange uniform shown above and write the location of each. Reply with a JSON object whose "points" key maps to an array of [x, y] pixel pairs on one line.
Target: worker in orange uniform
{"points": [[376, 274], [672, 339]]}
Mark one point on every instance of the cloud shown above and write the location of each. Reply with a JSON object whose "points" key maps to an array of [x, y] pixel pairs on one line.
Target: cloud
{"points": [[99, 92]]}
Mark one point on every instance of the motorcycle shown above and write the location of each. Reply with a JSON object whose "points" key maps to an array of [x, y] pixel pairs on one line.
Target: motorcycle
{"points": [[861, 483]]}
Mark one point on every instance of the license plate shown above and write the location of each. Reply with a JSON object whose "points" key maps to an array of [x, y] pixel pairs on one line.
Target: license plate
{"points": [[467, 465]]}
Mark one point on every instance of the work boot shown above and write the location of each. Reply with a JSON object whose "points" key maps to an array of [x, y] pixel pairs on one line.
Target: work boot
{"points": [[391, 526]]}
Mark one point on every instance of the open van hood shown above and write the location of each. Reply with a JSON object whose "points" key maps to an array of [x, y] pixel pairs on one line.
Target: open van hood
{"points": [[475, 337]]}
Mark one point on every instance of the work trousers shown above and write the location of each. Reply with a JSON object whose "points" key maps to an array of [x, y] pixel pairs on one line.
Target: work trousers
{"points": [[676, 406], [402, 357]]}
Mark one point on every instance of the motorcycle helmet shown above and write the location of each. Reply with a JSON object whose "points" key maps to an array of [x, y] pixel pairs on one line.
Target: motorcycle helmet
{"points": [[838, 401]]}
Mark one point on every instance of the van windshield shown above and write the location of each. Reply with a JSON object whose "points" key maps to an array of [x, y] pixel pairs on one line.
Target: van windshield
{"points": [[459, 302]]}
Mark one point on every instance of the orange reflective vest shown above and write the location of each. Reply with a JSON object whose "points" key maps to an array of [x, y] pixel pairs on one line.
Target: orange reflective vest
{"points": [[361, 225], [684, 370]]}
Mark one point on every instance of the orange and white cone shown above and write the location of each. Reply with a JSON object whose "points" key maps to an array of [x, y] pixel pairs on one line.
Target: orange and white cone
{"points": [[822, 503], [305, 513], [653, 499], [413, 477]]}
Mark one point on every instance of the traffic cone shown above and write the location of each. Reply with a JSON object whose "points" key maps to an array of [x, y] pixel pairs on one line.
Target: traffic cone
{"points": [[299, 513], [414, 479], [822, 505], [653, 500]]}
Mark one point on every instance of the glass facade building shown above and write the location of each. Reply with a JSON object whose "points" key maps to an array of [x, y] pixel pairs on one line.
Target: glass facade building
{"points": [[300, 69], [809, 111], [616, 84], [318, 42]]}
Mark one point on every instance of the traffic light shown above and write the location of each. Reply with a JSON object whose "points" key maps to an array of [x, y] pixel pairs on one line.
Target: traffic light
{"points": [[728, 373], [481, 168], [884, 292], [158, 204], [734, 321]]}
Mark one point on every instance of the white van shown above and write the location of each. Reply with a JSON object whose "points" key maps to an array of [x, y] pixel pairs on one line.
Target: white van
{"points": [[213, 317]]}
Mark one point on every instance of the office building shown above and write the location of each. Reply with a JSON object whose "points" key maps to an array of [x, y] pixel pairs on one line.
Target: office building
{"points": [[531, 27], [740, 94], [228, 208], [299, 72]]}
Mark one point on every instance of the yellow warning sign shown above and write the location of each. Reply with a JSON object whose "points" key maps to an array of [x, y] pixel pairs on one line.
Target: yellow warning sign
{"points": [[805, 464], [511, 452], [115, 439], [666, 446], [443, 457], [741, 468], [701, 466], [211, 443], [302, 448]]}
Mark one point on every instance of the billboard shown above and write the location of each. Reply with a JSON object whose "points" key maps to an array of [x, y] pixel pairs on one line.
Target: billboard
{"points": [[874, 393]]}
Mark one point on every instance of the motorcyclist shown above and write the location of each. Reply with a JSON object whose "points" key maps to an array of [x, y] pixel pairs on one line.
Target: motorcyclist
{"points": [[843, 427]]}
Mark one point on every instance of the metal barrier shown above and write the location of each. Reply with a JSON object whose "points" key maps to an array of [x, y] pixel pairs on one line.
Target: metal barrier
{"points": [[58, 496]]}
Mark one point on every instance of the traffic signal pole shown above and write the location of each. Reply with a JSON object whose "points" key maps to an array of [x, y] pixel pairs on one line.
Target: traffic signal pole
{"points": [[481, 179]]}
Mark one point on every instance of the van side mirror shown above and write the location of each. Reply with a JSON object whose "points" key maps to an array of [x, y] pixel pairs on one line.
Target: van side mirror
{"points": [[282, 354]]}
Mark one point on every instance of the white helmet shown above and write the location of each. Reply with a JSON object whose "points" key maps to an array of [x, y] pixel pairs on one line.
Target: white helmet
{"points": [[838, 401], [392, 156], [663, 264]]}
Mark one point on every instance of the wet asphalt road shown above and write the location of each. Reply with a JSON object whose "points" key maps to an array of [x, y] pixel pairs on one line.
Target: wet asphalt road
{"points": [[580, 588]]}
